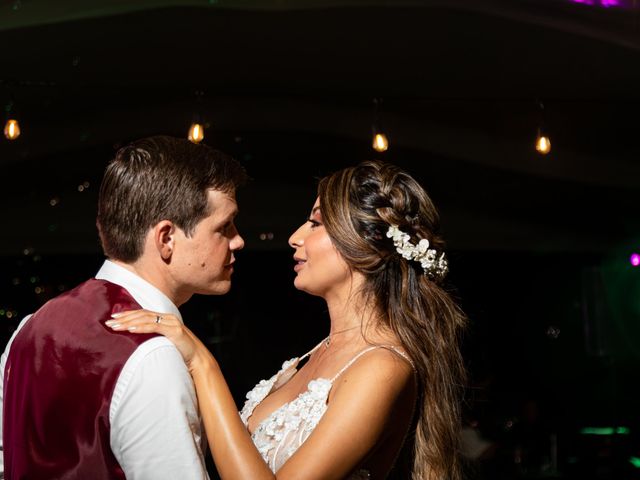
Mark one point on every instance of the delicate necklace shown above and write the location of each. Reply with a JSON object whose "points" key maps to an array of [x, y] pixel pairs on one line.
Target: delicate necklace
{"points": [[327, 341]]}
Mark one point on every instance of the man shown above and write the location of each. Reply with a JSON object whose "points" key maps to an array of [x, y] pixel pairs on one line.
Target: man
{"points": [[82, 402]]}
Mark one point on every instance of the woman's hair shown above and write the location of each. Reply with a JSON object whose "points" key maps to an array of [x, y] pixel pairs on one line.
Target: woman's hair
{"points": [[358, 206], [159, 178]]}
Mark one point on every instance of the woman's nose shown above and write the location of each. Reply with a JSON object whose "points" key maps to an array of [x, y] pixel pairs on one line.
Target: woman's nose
{"points": [[296, 239]]}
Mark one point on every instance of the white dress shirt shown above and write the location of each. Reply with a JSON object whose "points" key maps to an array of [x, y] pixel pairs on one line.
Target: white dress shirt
{"points": [[156, 431]]}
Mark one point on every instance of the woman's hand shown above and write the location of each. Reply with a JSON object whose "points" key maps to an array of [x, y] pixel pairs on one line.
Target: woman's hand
{"points": [[233, 450], [146, 321]]}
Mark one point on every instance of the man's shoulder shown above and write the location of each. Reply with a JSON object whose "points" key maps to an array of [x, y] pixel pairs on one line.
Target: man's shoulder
{"points": [[91, 298], [158, 353], [158, 345], [82, 294], [155, 366], [74, 322]]}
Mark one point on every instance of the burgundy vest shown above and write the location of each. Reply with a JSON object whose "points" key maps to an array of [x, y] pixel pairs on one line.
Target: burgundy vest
{"points": [[58, 381]]}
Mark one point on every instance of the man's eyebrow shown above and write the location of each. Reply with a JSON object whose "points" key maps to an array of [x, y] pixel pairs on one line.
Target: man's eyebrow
{"points": [[230, 216]]}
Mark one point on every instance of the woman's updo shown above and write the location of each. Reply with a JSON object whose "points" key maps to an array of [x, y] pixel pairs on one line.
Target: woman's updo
{"points": [[360, 203]]}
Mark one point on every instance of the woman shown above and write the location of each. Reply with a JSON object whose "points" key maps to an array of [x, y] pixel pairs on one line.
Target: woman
{"points": [[390, 364]]}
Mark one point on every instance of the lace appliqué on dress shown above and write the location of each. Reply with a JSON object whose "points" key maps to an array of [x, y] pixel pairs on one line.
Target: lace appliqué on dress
{"points": [[264, 388], [280, 435]]}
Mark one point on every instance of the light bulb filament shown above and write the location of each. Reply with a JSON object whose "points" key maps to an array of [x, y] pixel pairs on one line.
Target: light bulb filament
{"points": [[196, 133], [12, 129], [543, 144], [380, 142]]}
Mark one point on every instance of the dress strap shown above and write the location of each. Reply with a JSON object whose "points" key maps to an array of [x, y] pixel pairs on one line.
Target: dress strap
{"points": [[403, 354], [374, 347], [312, 350]]}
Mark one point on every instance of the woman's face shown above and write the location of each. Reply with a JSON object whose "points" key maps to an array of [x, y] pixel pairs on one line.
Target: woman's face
{"points": [[320, 269]]}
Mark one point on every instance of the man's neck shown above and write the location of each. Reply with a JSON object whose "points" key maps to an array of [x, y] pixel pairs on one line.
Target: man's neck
{"points": [[154, 276]]}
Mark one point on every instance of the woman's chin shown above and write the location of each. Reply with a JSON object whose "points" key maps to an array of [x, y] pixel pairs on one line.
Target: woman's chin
{"points": [[305, 288], [301, 285]]}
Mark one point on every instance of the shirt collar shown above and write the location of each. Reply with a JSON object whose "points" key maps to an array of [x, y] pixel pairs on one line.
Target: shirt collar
{"points": [[148, 296]]}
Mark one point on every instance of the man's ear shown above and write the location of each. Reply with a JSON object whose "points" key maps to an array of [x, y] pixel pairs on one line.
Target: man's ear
{"points": [[164, 238]]}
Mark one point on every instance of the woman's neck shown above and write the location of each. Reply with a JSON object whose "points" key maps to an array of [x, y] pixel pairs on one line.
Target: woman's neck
{"points": [[346, 314], [356, 321], [352, 322]]}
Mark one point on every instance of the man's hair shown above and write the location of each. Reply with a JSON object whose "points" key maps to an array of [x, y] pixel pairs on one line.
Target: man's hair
{"points": [[159, 178]]}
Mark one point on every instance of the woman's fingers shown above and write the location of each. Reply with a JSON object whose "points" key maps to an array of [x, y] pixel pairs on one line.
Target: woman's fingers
{"points": [[124, 316], [147, 321], [143, 328], [143, 321]]}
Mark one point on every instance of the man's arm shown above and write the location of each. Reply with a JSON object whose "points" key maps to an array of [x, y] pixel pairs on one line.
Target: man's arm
{"points": [[156, 431]]}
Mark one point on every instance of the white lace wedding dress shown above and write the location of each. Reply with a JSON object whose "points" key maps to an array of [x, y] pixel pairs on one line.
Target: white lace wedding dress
{"points": [[279, 435]]}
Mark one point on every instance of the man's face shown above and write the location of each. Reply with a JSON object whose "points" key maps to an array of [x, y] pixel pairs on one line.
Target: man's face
{"points": [[203, 262]]}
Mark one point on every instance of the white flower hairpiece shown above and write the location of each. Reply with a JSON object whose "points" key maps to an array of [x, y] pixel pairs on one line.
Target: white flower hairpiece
{"points": [[432, 264]]}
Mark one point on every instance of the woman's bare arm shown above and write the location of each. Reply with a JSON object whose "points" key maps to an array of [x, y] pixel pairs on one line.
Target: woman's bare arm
{"points": [[362, 406]]}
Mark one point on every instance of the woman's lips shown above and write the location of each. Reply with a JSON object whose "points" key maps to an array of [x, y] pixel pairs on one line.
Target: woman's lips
{"points": [[299, 264]]}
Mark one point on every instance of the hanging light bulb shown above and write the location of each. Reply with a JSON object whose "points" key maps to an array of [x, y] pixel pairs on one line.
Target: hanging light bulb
{"points": [[196, 132], [12, 129], [543, 144], [380, 142]]}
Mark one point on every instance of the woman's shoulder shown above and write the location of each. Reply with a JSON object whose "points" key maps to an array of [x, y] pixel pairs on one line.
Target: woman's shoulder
{"points": [[380, 364]]}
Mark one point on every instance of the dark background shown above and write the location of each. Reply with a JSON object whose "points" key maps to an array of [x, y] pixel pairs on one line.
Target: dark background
{"points": [[539, 246]]}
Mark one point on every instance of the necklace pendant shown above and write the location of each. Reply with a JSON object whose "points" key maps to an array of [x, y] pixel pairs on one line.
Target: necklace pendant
{"points": [[327, 341]]}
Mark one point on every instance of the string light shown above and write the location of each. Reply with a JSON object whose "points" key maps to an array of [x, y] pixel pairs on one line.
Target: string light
{"points": [[543, 143], [196, 132], [380, 141], [12, 129]]}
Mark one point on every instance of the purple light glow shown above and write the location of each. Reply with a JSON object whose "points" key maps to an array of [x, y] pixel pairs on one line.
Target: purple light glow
{"points": [[635, 259], [600, 3]]}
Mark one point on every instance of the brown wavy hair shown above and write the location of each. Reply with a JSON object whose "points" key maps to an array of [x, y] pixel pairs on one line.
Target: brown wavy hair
{"points": [[358, 205]]}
